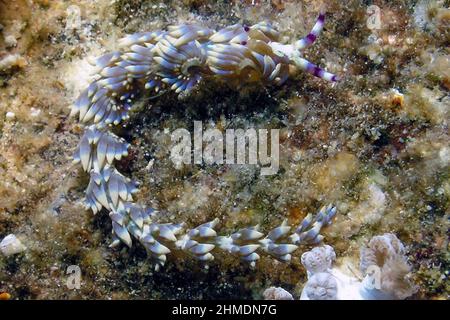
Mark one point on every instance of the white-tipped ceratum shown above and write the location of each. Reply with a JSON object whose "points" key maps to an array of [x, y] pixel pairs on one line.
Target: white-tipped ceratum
{"points": [[178, 59]]}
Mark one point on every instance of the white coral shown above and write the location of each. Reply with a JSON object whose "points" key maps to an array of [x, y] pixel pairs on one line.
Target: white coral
{"points": [[382, 262], [11, 245], [318, 259], [321, 286]]}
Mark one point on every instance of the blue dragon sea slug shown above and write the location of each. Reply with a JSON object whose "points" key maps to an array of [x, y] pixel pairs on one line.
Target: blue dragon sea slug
{"points": [[383, 264], [178, 59]]}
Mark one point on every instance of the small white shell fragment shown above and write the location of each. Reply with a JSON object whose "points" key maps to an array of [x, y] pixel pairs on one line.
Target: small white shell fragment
{"points": [[277, 293], [10, 41], [10, 115], [178, 58], [11, 245]]}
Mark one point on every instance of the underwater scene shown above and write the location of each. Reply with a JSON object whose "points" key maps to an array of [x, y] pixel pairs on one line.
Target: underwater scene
{"points": [[224, 150]]}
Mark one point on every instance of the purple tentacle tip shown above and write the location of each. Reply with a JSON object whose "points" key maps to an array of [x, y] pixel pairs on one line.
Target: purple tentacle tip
{"points": [[321, 17], [311, 37]]}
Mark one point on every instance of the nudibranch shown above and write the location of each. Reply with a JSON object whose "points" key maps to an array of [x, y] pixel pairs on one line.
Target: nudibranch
{"points": [[178, 59]]}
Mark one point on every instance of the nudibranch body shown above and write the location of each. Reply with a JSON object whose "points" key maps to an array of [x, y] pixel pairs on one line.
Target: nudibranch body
{"points": [[179, 59]]}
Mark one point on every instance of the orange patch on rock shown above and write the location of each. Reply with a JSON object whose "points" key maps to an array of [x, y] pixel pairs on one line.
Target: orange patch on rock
{"points": [[296, 214]]}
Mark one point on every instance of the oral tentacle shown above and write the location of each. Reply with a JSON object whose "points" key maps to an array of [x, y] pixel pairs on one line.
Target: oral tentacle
{"points": [[312, 36], [313, 69]]}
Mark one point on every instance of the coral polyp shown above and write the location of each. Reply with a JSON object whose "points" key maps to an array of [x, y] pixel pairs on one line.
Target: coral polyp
{"points": [[200, 127], [181, 57], [178, 59]]}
